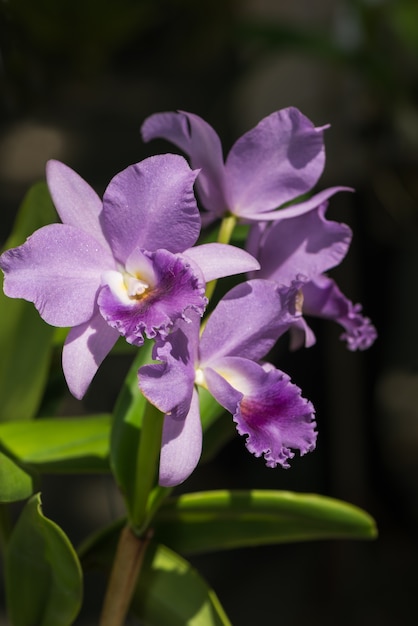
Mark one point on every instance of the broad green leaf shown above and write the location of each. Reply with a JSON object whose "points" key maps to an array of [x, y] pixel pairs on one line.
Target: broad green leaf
{"points": [[218, 520], [25, 339], [43, 574], [72, 444], [171, 592], [35, 211], [15, 483]]}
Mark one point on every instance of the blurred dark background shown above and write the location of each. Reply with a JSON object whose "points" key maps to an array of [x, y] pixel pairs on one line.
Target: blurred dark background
{"points": [[77, 80]]}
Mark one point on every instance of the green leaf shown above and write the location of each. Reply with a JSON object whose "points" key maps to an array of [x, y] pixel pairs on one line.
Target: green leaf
{"points": [[172, 593], [15, 483], [43, 574], [35, 211], [219, 520], [72, 444], [25, 339]]}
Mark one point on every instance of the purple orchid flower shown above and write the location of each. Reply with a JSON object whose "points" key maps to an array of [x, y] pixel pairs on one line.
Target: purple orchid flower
{"points": [[279, 160], [266, 407], [121, 266], [299, 251]]}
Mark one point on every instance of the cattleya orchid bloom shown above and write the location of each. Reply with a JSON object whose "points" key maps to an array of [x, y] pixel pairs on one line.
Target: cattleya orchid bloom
{"points": [[275, 163], [302, 249], [121, 266], [267, 408]]}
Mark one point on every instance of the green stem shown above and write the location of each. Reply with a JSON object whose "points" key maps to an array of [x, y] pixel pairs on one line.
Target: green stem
{"points": [[126, 567], [5, 525], [224, 236], [147, 463]]}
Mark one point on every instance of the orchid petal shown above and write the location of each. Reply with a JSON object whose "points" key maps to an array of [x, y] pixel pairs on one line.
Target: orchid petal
{"points": [[181, 445], [76, 202], [58, 268], [217, 260], [278, 160], [151, 205], [154, 310], [84, 350], [323, 298], [306, 245], [298, 208], [271, 412], [169, 384], [248, 321], [200, 142]]}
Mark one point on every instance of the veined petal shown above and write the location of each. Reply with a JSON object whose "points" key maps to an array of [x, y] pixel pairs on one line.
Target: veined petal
{"points": [[76, 202], [278, 160], [323, 298], [181, 445], [84, 350], [271, 411], [217, 260], [248, 321], [177, 291], [58, 268], [200, 142], [151, 205], [308, 244]]}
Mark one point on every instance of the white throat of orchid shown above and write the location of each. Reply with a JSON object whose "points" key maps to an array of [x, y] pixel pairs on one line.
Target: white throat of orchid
{"points": [[199, 378], [132, 282]]}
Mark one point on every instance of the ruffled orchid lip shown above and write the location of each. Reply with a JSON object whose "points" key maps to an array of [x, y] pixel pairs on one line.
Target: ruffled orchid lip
{"points": [[159, 289]]}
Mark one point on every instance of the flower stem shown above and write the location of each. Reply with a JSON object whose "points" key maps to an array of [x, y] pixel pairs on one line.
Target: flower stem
{"points": [[147, 462], [126, 566], [224, 236]]}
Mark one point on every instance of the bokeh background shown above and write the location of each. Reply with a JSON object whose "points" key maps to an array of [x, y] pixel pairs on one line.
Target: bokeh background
{"points": [[77, 80]]}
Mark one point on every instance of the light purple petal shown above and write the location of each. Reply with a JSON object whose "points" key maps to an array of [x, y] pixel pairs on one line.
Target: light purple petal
{"points": [[84, 350], [151, 205], [278, 160], [323, 298], [248, 321], [181, 445], [169, 384], [202, 145], [301, 335], [307, 245], [217, 260], [298, 208], [59, 269], [271, 412], [177, 291], [76, 202]]}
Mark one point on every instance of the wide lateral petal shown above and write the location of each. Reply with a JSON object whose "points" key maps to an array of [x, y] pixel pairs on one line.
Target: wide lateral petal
{"points": [[181, 445], [248, 321], [84, 350], [201, 143], [151, 205], [307, 245], [275, 162], [76, 202], [271, 412], [59, 269], [217, 260]]}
